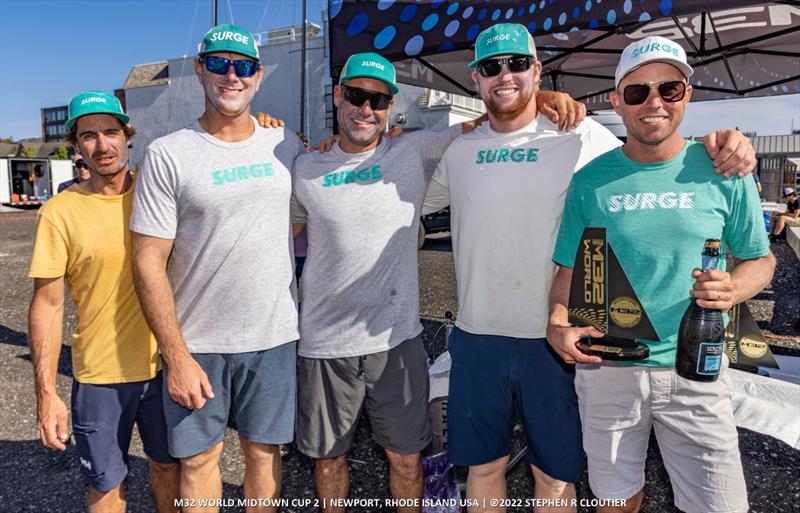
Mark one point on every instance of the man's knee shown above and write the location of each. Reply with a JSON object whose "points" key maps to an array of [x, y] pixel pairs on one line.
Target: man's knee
{"points": [[112, 500], [163, 471], [551, 486], [493, 469], [163, 468], [328, 468], [203, 461], [408, 466], [260, 453]]}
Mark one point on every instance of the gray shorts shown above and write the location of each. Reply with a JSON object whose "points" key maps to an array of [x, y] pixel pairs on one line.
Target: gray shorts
{"points": [[393, 385], [257, 389]]}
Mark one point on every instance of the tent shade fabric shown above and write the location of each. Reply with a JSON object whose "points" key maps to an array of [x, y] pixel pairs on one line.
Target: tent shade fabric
{"points": [[737, 48]]}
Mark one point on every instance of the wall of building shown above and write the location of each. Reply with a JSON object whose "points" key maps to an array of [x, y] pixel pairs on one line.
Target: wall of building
{"points": [[776, 173], [154, 112], [775, 168]]}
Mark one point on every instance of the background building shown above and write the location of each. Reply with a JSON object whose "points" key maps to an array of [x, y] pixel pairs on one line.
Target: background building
{"points": [[53, 119], [778, 157]]}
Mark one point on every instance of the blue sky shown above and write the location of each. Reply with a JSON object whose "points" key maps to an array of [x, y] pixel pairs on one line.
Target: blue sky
{"points": [[51, 50]]}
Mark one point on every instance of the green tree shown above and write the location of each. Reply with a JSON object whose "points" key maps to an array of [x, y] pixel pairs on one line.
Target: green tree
{"points": [[61, 154], [26, 152]]}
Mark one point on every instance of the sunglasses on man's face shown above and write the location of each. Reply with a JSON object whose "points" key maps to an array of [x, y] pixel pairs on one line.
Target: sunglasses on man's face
{"points": [[671, 92], [516, 64], [221, 65], [356, 97], [80, 164]]}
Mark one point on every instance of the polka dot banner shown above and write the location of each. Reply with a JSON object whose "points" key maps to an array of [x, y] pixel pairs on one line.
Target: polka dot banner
{"points": [[403, 29]]}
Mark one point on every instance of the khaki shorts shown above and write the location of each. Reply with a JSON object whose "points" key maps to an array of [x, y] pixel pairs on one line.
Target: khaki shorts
{"points": [[392, 385], [694, 426], [792, 221]]}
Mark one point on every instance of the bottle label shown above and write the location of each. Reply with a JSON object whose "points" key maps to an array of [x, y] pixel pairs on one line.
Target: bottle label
{"points": [[709, 358], [709, 262]]}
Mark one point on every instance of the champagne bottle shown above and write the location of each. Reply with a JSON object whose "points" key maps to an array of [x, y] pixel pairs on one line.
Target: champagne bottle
{"points": [[702, 332]]}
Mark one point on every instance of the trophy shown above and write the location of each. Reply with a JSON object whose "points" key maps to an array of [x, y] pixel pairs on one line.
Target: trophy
{"points": [[746, 347], [600, 295]]}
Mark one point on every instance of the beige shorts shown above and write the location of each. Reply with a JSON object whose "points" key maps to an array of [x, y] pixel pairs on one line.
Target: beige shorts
{"points": [[694, 426], [792, 221]]}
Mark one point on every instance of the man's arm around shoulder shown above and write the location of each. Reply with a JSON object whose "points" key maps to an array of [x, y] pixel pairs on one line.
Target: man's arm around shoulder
{"points": [[187, 383]]}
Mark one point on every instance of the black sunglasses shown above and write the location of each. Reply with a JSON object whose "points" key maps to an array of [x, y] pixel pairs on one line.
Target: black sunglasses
{"points": [[356, 97], [80, 164], [671, 92], [515, 63], [221, 65]]}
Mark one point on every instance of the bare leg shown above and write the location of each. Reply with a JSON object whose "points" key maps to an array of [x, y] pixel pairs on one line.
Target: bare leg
{"points": [[405, 478], [486, 482], [779, 225], [550, 488], [112, 501], [332, 479], [165, 483], [262, 473], [632, 505], [200, 479]]}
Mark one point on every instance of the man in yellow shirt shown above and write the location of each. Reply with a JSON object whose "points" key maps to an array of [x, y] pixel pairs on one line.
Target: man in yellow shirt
{"points": [[82, 237]]}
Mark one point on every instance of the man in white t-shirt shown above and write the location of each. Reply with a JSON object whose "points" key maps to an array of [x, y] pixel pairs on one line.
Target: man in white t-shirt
{"points": [[360, 346], [506, 182]]}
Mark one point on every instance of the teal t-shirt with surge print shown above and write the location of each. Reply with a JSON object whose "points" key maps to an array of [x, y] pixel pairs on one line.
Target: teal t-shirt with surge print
{"points": [[657, 217]]}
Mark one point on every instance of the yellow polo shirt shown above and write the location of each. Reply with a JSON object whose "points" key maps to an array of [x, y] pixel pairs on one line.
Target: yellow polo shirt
{"points": [[85, 238]]}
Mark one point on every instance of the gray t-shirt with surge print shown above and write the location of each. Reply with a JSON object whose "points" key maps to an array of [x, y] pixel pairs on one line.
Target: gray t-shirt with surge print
{"points": [[359, 288], [226, 205]]}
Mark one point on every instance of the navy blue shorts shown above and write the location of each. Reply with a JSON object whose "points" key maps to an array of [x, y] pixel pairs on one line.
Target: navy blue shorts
{"points": [[257, 389], [490, 378], [102, 421]]}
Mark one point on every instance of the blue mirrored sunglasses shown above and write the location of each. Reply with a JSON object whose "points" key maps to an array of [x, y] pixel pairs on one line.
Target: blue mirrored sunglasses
{"points": [[221, 65]]}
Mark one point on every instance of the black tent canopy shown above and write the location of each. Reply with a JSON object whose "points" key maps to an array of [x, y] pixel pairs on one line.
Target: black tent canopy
{"points": [[738, 48]]}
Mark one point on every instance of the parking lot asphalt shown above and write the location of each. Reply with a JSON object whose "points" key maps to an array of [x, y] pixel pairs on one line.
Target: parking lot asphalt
{"points": [[36, 479]]}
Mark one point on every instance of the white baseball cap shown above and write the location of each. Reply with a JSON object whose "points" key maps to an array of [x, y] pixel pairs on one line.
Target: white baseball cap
{"points": [[648, 50], [788, 192]]}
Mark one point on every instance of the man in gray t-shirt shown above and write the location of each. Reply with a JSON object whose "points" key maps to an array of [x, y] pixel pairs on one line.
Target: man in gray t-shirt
{"points": [[213, 269]]}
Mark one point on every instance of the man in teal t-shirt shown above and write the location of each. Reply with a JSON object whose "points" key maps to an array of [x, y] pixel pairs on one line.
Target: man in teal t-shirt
{"points": [[659, 199]]}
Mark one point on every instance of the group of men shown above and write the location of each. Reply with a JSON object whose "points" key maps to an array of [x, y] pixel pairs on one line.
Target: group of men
{"points": [[190, 317]]}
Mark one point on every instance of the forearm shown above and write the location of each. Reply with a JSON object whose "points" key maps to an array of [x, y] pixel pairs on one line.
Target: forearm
{"points": [[158, 304], [559, 297], [45, 330], [749, 277]]}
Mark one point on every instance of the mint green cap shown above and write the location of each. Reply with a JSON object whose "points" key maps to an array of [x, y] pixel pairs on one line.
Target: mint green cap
{"points": [[95, 102], [503, 39], [370, 65], [228, 38]]}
